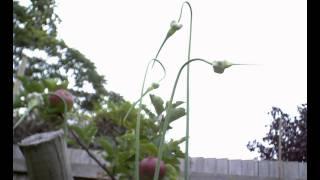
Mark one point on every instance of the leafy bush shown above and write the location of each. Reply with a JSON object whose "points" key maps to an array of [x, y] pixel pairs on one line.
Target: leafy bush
{"points": [[108, 132]]}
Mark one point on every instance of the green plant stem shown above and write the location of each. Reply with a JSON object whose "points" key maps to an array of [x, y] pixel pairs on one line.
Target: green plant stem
{"points": [[186, 160], [163, 42], [137, 133], [133, 105], [23, 117], [168, 114], [145, 93], [137, 143]]}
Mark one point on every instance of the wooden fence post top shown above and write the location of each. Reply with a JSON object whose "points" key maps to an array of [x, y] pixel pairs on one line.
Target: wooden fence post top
{"points": [[40, 138], [46, 156]]}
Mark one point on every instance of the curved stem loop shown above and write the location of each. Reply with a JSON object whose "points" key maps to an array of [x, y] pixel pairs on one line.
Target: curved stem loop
{"points": [[137, 131], [168, 114], [146, 92]]}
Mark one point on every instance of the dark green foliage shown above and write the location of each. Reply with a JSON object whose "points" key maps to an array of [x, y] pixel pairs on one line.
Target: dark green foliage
{"points": [[157, 103], [118, 140], [293, 140]]}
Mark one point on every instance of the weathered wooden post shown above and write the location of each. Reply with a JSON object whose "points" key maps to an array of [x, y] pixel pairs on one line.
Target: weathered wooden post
{"points": [[46, 156]]}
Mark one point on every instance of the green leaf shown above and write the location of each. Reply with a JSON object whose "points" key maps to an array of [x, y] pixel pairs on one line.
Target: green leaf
{"points": [[106, 146], [171, 172], [148, 112], [124, 156], [174, 105], [24, 80], [181, 140], [36, 86], [72, 142], [35, 101], [157, 103], [90, 132], [18, 103], [50, 83], [78, 130], [173, 150], [148, 149], [86, 134], [31, 85], [63, 85], [176, 114]]}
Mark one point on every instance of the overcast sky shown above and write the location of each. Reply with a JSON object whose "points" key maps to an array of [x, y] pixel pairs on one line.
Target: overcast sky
{"points": [[227, 110]]}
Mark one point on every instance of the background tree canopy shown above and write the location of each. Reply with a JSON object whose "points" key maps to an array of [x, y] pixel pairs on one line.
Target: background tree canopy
{"points": [[293, 140], [51, 64], [50, 59]]}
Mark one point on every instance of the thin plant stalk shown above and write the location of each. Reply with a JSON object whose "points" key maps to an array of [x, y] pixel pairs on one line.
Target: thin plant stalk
{"points": [[186, 159], [23, 117], [168, 114], [137, 133], [145, 93], [138, 123], [172, 30], [132, 106]]}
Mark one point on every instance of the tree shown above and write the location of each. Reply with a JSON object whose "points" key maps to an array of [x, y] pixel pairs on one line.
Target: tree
{"points": [[50, 64], [293, 139], [35, 38]]}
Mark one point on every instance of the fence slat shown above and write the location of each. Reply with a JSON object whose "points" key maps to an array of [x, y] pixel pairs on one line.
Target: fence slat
{"points": [[210, 165], [249, 168], [222, 166], [273, 168], [197, 164], [263, 168], [291, 169], [235, 167], [303, 170]]}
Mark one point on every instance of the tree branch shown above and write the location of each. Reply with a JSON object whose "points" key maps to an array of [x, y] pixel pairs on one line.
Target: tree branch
{"points": [[102, 165]]}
